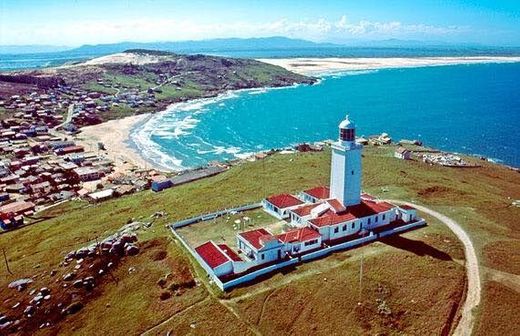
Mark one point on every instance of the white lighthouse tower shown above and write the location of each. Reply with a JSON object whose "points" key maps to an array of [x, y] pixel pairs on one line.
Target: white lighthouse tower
{"points": [[345, 174]]}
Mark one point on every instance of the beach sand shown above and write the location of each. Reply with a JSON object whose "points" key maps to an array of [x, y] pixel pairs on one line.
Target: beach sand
{"points": [[114, 135], [320, 66]]}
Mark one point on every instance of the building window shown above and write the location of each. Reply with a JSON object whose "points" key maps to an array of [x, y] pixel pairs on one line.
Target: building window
{"points": [[368, 221], [345, 227], [262, 256], [336, 229], [384, 215], [375, 219], [352, 172]]}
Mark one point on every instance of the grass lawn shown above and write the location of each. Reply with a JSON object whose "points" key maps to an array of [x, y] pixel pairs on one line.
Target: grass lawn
{"points": [[224, 229], [412, 284]]}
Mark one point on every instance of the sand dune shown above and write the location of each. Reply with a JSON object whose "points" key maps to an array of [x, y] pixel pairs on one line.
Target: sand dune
{"points": [[320, 66]]}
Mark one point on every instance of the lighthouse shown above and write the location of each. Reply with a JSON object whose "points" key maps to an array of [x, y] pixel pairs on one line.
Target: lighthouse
{"points": [[345, 174]]}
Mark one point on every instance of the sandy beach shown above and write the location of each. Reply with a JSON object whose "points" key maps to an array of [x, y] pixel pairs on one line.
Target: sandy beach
{"points": [[114, 135], [320, 66]]}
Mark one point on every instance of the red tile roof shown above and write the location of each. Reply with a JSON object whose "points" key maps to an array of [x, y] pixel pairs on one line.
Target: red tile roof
{"points": [[257, 237], [336, 205], [320, 192], [283, 201], [407, 207], [232, 254], [212, 255], [305, 210], [364, 209], [298, 235]]}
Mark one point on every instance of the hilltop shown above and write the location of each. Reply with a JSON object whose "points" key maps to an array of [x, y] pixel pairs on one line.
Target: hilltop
{"points": [[138, 81], [413, 284]]}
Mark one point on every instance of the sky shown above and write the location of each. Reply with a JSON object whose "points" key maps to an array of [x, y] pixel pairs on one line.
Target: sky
{"points": [[78, 22]]}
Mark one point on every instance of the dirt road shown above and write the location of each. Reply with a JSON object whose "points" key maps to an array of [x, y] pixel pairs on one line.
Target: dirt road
{"points": [[467, 320]]}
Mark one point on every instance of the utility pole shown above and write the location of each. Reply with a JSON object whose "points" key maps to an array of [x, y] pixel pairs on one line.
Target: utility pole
{"points": [[6, 261], [363, 233]]}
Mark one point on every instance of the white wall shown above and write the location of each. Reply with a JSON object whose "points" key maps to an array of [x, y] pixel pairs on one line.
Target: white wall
{"points": [[224, 269]]}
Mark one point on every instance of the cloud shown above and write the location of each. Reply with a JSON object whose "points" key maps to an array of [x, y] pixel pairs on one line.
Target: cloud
{"points": [[152, 29]]}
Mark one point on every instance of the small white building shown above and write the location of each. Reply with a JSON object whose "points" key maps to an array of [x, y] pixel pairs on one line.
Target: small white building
{"points": [[316, 194], [300, 240], [260, 246], [403, 153], [279, 205]]}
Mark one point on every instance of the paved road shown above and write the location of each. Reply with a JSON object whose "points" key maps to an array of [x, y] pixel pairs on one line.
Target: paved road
{"points": [[467, 320]]}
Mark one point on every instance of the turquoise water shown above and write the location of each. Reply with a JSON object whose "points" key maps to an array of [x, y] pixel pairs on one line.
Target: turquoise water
{"points": [[472, 109]]}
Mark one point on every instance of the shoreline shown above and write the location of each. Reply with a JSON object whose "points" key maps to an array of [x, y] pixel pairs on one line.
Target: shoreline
{"points": [[315, 66], [126, 154], [115, 135]]}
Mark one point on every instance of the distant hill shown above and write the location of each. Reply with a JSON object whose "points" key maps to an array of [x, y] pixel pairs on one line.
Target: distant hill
{"points": [[201, 46], [31, 49]]}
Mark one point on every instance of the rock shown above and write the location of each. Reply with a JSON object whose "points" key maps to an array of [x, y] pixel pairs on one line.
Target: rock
{"points": [[69, 276], [20, 284], [3, 319], [28, 311], [81, 253], [73, 308], [101, 272], [5, 325], [110, 264], [16, 305], [53, 273], [165, 295], [79, 261], [78, 283], [161, 282], [32, 292], [44, 291], [47, 297], [77, 267], [131, 250], [131, 270], [37, 299]]}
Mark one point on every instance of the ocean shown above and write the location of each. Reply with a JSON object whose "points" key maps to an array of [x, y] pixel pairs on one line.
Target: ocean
{"points": [[472, 109]]}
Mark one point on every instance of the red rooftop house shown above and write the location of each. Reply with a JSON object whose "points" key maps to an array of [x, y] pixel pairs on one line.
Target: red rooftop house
{"points": [[279, 205], [260, 246], [316, 194], [301, 240], [215, 258]]}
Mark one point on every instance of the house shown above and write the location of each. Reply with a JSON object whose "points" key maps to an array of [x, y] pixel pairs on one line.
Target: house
{"points": [[85, 174], [407, 213], [313, 195], [403, 153], [215, 258], [17, 208], [102, 195], [260, 245], [300, 240], [279, 205]]}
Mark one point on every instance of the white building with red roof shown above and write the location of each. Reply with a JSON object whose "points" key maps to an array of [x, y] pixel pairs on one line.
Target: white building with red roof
{"points": [[215, 258], [323, 219], [279, 205], [260, 245], [300, 240]]}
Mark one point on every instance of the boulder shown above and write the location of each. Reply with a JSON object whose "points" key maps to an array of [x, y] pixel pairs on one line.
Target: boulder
{"points": [[131, 250], [69, 276], [20, 284], [78, 283], [29, 310], [73, 308], [44, 291]]}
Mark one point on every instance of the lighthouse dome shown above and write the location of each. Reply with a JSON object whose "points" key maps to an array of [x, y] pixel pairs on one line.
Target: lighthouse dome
{"points": [[347, 124]]}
